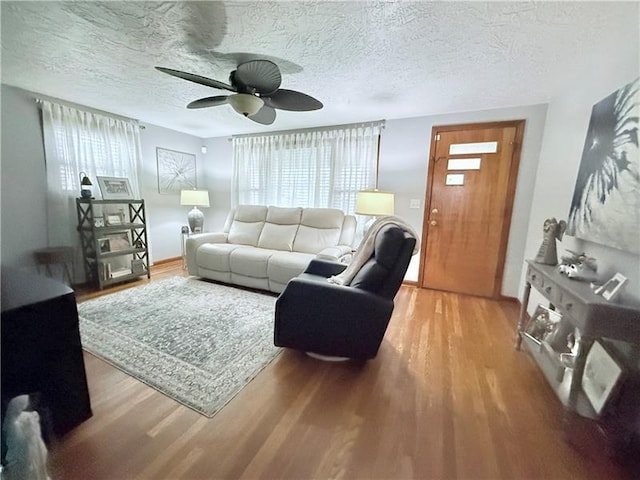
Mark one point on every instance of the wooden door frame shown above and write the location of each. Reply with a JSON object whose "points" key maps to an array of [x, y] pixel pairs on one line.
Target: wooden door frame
{"points": [[511, 190]]}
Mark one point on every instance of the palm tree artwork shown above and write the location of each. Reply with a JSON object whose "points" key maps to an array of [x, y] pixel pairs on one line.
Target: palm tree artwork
{"points": [[605, 207]]}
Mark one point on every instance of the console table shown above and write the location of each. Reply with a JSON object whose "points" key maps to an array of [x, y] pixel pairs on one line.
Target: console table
{"points": [[591, 314]]}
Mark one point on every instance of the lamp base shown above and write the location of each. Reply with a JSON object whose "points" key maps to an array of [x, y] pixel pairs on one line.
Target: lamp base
{"points": [[196, 220]]}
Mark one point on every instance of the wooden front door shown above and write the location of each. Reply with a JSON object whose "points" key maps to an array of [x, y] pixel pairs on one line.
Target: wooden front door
{"points": [[470, 189]]}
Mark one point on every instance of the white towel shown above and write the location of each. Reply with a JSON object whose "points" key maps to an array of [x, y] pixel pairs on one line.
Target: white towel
{"points": [[365, 249]]}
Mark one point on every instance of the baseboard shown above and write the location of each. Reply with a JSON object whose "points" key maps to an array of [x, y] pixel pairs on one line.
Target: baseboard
{"points": [[166, 260]]}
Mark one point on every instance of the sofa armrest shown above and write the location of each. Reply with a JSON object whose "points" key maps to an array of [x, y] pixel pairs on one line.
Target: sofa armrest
{"points": [[339, 253], [194, 242], [324, 268]]}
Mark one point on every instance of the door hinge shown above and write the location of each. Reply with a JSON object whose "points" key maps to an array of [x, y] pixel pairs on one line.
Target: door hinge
{"points": [[437, 137]]}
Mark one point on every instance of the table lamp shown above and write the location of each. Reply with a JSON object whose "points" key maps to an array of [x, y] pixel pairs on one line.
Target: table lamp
{"points": [[374, 203], [197, 198]]}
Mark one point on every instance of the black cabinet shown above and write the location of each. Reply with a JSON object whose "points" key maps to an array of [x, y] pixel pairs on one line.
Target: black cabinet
{"points": [[41, 349]]}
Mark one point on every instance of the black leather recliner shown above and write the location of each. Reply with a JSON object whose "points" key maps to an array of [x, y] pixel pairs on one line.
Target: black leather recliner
{"points": [[316, 316]]}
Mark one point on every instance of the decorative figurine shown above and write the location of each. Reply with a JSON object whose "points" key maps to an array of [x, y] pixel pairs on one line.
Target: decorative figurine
{"points": [[548, 254], [578, 266]]}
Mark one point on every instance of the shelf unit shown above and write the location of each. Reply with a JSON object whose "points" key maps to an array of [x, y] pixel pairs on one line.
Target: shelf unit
{"points": [[94, 239]]}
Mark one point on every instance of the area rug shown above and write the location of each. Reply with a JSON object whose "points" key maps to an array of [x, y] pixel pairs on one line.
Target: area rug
{"points": [[197, 342]]}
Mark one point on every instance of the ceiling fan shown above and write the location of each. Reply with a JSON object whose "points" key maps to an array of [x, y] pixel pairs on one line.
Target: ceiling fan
{"points": [[257, 92]]}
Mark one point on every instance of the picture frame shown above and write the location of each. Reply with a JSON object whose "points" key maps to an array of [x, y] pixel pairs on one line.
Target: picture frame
{"points": [[118, 241], [176, 171], [112, 219], [611, 288], [104, 245], [602, 376], [115, 188], [543, 324]]}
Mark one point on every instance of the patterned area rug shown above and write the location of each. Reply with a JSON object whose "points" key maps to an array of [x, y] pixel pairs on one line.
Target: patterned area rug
{"points": [[199, 343]]}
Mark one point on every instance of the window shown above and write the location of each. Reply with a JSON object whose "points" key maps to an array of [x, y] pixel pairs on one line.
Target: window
{"points": [[317, 168], [80, 141]]}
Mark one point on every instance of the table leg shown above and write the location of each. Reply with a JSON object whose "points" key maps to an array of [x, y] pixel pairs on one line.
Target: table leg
{"points": [[523, 314]]}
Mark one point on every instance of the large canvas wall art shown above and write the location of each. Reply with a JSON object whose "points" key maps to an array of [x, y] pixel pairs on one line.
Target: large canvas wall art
{"points": [[176, 171], [605, 207]]}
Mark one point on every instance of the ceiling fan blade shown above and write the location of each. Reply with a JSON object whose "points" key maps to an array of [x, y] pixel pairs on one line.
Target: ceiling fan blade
{"points": [[291, 100], [209, 102], [265, 116], [262, 75], [209, 82]]}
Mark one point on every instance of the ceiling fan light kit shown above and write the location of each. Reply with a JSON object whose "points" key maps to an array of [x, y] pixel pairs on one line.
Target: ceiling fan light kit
{"points": [[258, 92], [246, 104]]}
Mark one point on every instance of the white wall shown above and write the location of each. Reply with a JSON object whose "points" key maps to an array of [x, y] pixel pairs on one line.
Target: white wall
{"points": [[218, 170], [165, 215], [564, 137], [23, 206]]}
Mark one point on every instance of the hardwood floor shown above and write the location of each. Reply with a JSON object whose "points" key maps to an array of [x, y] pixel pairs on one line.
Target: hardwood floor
{"points": [[447, 397]]}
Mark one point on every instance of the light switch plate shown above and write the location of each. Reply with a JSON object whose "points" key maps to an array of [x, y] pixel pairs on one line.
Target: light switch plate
{"points": [[414, 203]]}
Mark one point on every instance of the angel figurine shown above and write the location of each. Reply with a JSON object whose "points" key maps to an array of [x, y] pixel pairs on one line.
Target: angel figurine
{"points": [[548, 253]]}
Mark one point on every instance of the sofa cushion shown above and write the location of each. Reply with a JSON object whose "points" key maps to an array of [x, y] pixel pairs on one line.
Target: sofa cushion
{"points": [[250, 262], [215, 256], [284, 216], [250, 213], [313, 240], [247, 224], [319, 228], [277, 237], [285, 266]]}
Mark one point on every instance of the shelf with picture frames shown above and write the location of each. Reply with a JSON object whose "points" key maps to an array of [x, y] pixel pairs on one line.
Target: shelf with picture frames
{"points": [[113, 236], [595, 322]]}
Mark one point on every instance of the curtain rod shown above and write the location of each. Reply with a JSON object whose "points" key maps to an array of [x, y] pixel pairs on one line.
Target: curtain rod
{"points": [[84, 108], [380, 123]]}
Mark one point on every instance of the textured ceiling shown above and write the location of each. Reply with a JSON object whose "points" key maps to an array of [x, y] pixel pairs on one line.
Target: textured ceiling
{"points": [[364, 60]]}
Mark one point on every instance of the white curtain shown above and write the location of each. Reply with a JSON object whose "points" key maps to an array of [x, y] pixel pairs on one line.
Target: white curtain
{"points": [[78, 141], [318, 168]]}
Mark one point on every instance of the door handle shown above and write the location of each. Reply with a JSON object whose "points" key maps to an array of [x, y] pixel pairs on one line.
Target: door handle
{"points": [[433, 223]]}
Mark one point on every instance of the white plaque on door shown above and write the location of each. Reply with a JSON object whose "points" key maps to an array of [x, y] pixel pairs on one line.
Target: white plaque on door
{"points": [[454, 179]]}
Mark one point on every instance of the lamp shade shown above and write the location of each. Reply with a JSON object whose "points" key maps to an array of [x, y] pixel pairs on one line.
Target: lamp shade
{"points": [[246, 104], [197, 198], [374, 202]]}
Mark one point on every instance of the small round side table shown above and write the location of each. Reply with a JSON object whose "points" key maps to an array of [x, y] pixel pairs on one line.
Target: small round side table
{"points": [[56, 255]]}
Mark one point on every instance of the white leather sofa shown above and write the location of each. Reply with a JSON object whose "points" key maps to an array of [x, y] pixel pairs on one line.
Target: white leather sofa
{"points": [[265, 247]]}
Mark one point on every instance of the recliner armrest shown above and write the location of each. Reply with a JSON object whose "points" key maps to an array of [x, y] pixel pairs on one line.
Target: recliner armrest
{"points": [[324, 268], [194, 242]]}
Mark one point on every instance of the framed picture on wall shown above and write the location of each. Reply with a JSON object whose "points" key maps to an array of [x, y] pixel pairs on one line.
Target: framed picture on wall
{"points": [[176, 171]]}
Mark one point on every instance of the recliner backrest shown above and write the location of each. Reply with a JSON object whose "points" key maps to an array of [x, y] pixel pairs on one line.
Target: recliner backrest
{"points": [[384, 271]]}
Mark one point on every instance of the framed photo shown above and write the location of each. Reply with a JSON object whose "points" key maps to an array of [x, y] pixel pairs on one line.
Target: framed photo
{"points": [[104, 245], [612, 287], [113, 219], [176, 171], [118, 241], [115, 188], [543, 324], [602, 376]]}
